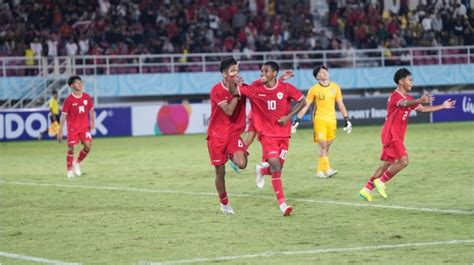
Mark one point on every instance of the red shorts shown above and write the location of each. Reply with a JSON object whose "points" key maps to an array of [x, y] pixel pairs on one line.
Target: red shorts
{"points": [[74, 138], [220, 148], [274, 147], [393, 151]]}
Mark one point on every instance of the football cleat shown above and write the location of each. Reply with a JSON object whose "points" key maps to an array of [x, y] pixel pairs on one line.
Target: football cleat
{"points": [[259, 179], [234, 167], [331, 172], [227, 209], [380, 188], [322, 175], [70, 174], [77, 168], [285, 209], [366, 195]]}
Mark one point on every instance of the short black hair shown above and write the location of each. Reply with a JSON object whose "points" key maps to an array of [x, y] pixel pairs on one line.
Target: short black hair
{"points": [[400, 74], [55, 92], [226, 63], [273, 65], [318, 68], [73, 79]]}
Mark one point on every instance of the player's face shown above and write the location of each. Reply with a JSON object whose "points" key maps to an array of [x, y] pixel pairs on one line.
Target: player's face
{"points": [[267, 74], [322, 75], [232, 73], [407, 83], [77, 85]]}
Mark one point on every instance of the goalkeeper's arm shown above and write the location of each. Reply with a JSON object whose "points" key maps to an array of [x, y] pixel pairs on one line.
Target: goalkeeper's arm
{"points": [[347, 122]]}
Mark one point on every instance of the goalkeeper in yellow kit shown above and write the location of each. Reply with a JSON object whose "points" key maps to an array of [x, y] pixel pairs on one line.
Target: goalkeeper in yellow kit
{"points": [[324, 95]]}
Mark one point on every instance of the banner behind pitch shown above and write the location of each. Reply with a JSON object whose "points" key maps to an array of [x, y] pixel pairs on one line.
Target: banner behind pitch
{"points": [[29, 123]]}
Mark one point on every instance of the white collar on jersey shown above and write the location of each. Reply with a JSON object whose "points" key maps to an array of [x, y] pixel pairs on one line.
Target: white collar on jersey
{"points": [[222, 83], [82, 93], [400, 92], [271, 88]]}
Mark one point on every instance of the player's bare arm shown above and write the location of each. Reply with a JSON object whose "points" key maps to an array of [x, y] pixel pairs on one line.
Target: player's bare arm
{"points": [[92, 117], [301, 104], [345, 114], [422, 100], [62, 120], [229, 108], [447, 104]]}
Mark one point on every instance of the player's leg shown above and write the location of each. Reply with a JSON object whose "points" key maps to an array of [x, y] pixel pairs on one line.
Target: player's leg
{"points": [[218, 156], [397, 152], [69, 160], [86, 141], [221, 190], [320, 137], [237, 153], [276, 150], [365, 192], [330, 136]]}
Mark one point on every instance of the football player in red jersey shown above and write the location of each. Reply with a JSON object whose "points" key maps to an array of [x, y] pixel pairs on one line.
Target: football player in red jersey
{"points": [[272, 110], [78, 112], [394, 156], [226, 124]]}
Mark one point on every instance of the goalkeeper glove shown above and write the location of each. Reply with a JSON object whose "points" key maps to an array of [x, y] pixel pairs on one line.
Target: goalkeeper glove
{"points": [[347, 125], [295, 125]]}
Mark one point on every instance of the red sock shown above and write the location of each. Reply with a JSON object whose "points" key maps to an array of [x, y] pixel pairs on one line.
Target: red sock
{"points": [[370, 184], [386, 176], [82, 155], [265, 171], [223, 198], [69, 158], [278, 186]]}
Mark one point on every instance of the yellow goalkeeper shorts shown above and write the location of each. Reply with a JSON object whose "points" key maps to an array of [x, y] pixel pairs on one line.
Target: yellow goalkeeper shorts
{"points": [[324, 130]]}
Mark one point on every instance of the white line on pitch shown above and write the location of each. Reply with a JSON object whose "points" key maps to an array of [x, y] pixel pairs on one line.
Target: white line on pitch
{"points": [[397, 207], [35, 259], [311, 251]]}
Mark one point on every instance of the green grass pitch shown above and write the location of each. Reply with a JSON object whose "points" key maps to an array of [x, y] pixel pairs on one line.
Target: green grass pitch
{"points": [[146, 200]]}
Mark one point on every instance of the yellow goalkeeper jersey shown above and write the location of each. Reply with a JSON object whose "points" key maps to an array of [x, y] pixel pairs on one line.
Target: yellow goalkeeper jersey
{"points": [[324, 99]]}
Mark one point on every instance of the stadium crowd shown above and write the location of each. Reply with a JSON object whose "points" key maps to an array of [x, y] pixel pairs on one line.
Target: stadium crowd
{"points": [[117, 27]]}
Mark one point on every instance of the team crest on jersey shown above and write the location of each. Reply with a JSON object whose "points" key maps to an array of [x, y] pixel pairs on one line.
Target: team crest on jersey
{"points": [[279, 95], [85, 102], [333, 91]]}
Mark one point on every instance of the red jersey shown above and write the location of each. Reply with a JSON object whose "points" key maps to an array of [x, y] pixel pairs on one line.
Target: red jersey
{"points": [[269, 105], [222, 125], [77, 111], [396, 121]]}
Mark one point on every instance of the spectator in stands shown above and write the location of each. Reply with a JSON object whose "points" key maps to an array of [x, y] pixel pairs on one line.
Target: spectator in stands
{"points": [[71, 47], [29, 60], [37, 48], [52, 45]]}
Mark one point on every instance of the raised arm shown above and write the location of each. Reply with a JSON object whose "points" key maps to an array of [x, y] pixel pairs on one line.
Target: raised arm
{"points": [[404, 103], [229, 108], [447, 104]]}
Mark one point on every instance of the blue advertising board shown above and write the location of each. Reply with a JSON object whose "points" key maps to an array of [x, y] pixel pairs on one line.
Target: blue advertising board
{"points": [[27, 124], [463, 111]]}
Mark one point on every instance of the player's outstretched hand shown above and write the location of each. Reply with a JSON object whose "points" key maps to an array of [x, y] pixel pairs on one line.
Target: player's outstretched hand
{"points": [[295, 125], [347, 126], [449, 104], [426, 98], [287, 74]]}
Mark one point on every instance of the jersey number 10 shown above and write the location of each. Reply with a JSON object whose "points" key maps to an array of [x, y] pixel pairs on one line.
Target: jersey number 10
{"points": [[272, 105]]}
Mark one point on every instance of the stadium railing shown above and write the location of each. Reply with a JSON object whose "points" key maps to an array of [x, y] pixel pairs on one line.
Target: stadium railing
{"points": [[209, 62]]}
